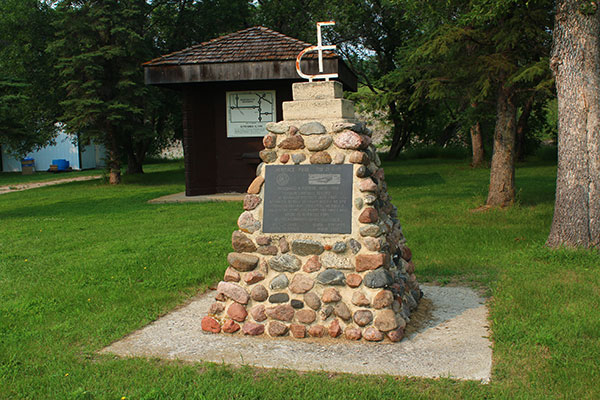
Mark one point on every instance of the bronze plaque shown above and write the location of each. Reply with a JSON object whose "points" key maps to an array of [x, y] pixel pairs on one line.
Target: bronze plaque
{"points": [[308, 199]]}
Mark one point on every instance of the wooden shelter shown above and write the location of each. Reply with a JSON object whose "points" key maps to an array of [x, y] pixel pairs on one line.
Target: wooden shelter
{"points": [[231, 87]]}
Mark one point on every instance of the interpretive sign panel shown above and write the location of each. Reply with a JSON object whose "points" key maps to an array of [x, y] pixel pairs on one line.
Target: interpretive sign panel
{"points": [[308, 199], [248, 112]]}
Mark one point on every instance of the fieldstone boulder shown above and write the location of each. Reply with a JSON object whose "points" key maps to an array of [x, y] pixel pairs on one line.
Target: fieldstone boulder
{"points": [[234, 292], [285, 263], [242, 243], [378, 278], [259, 293], [253, 329], [301, 284], [242, 262], [331, 277], [282, 312], [305, 247], [312, 128]]}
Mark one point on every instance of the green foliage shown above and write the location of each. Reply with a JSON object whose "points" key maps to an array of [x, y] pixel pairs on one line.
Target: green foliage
{"points": [[28, 94]]}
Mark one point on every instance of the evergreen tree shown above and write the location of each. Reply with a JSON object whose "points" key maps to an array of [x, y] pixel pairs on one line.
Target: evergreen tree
{"points": [[28, 95], [100, 44]]}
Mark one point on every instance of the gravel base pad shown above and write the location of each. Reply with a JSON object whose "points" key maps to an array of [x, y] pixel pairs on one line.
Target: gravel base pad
{"points": [[447, 337]]}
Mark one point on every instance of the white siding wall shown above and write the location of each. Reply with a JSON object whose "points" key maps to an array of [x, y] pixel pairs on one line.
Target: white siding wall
{"points": [[63, 149]]}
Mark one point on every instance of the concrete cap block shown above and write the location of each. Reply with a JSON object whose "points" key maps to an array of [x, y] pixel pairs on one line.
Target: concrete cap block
{"points": [[317, 109], [317, 90]]}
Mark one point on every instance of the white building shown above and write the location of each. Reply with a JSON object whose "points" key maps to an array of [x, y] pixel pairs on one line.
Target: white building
{"points": [[79, 157]]}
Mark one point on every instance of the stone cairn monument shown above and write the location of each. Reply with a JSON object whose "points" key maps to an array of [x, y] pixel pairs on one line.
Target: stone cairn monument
{"points": [[319, 251]]}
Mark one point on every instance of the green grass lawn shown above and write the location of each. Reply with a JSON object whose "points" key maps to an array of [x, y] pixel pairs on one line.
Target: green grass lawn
{"points": [[83, 264]]}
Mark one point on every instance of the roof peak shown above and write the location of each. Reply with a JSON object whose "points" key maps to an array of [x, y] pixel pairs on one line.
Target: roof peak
{"points": [[255, 43]]}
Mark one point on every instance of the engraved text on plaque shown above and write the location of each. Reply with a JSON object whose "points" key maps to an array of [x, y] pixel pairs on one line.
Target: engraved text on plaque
{"points": [[308, 199]]}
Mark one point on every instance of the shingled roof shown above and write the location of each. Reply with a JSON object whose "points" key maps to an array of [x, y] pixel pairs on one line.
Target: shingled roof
{"points": [[252, 44]]}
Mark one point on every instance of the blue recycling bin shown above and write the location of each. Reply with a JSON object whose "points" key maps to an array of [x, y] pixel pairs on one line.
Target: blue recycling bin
{"points": [[61, 164]]}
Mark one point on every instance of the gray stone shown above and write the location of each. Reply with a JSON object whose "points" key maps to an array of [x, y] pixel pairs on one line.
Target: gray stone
{"points": [[416, 294], [297, 158], [297, 304], [405, 312], [353, 126], [355, 246], [377, 160], [370, 198], [331, 277], [247, 223], [409, 300], [339, 247], [279, 282], [370, 230], [358, 203], [268, 156], [312, 128], [306, 247], [378, 278], [363, 172], [326, 312], [259, 168], [285, 263], [318, 143], [279, 298], [278, 128], [312, 300]]}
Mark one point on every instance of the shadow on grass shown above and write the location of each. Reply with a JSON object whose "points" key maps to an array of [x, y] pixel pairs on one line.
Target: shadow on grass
{"points": [[414, 180], [536, 190], [157, 178], [76, 207]]}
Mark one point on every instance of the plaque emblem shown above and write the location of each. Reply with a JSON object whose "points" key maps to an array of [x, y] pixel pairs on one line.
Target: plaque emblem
{"points": [[282, 179]]}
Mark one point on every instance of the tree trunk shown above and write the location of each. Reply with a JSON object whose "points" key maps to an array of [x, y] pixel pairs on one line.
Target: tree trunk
{"points": [[447, 134], [400, 135], [133, 165], [522, 126], [114, 162], [502, 173], [477, 145], [576, 65]]}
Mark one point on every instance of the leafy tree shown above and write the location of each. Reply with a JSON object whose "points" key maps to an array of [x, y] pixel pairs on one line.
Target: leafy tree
{"points": [[576, 65], [498, 50], [28, 95]]}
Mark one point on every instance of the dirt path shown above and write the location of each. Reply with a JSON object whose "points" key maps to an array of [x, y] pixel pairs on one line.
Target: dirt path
{"points": [[17, 187]]}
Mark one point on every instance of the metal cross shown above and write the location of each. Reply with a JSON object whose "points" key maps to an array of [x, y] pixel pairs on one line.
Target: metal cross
{"points": [[319, 48]]}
